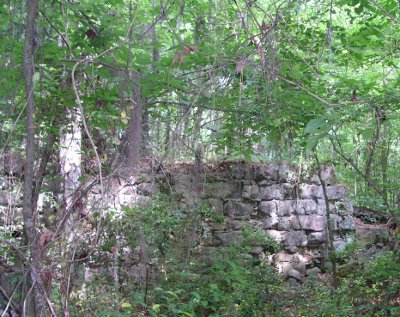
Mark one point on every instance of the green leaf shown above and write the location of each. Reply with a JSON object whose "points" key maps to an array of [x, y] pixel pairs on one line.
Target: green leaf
{"points": [[315, 124], [36, 77], [368, 133], [126, 305]]}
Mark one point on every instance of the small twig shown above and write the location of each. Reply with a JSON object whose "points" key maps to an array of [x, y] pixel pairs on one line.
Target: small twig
{"points": [[385, 11], [55, 29]]}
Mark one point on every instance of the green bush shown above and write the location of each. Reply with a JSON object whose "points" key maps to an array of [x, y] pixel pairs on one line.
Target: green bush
{"points": [[234, 285]]}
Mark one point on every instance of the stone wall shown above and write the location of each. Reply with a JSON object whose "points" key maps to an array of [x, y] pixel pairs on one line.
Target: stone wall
{"points": [[280, 200]]}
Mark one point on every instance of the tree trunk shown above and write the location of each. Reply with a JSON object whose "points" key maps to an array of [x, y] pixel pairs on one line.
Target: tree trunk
{"points": [[35, 301], [135, 129]]}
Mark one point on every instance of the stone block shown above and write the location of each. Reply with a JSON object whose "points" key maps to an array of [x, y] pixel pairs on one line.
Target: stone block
{"points": [[347, 223], [306, 207], [284, 223], [308, 222], [256, 251], [236, 224], [295, 274], [269, 172], [344, 208], [321, 207], [278, 236], [288, 176], [336, 192], [314, 271], [236, 209], [268, 208], [283, 257], [271, 192], [222, 190], [271, 222], [285, 207], [241, 170], [310, 191], [296, 238], [334, 221], [291, 249], [227, 238], [216, 205], [250, 192], [316, 238], [339, 245], [327, 174]]}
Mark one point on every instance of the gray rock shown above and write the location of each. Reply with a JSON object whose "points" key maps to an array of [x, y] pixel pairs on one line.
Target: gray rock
{"points": [[269, 172], [341, 208], [348, 223], [222, 190], [216, 205], [250, 192], [321, 207], [305, 207], [336, 192], [285, 207], [235, 209], [271, 192], [241, 170], [296, 238], [327, 175], [256, 250], [308, 222], [271, 222], [268, 208], [291, 249], [334, 221], [288, 176], [227, 238], [236, 224], [339, 245], [316, 238], [278, 236], [310, 191], [284, 223], [283, 257], [295, 274], [314, 271], [299, 264]]}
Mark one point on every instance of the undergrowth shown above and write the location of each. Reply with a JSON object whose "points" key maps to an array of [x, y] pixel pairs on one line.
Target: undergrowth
{"points": [[183, 280]]}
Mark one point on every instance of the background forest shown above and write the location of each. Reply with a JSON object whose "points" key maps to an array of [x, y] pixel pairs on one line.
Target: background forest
{"points": [[92, 89]]}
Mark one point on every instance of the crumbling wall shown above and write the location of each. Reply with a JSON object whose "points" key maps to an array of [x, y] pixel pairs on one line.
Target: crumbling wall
{"points": [[281, 200]]}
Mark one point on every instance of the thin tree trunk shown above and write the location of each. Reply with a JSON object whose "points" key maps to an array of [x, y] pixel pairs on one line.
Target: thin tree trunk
{"points": [[329, 230], [371, 146], [34, 303], [135, 128], [384, 161]]}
